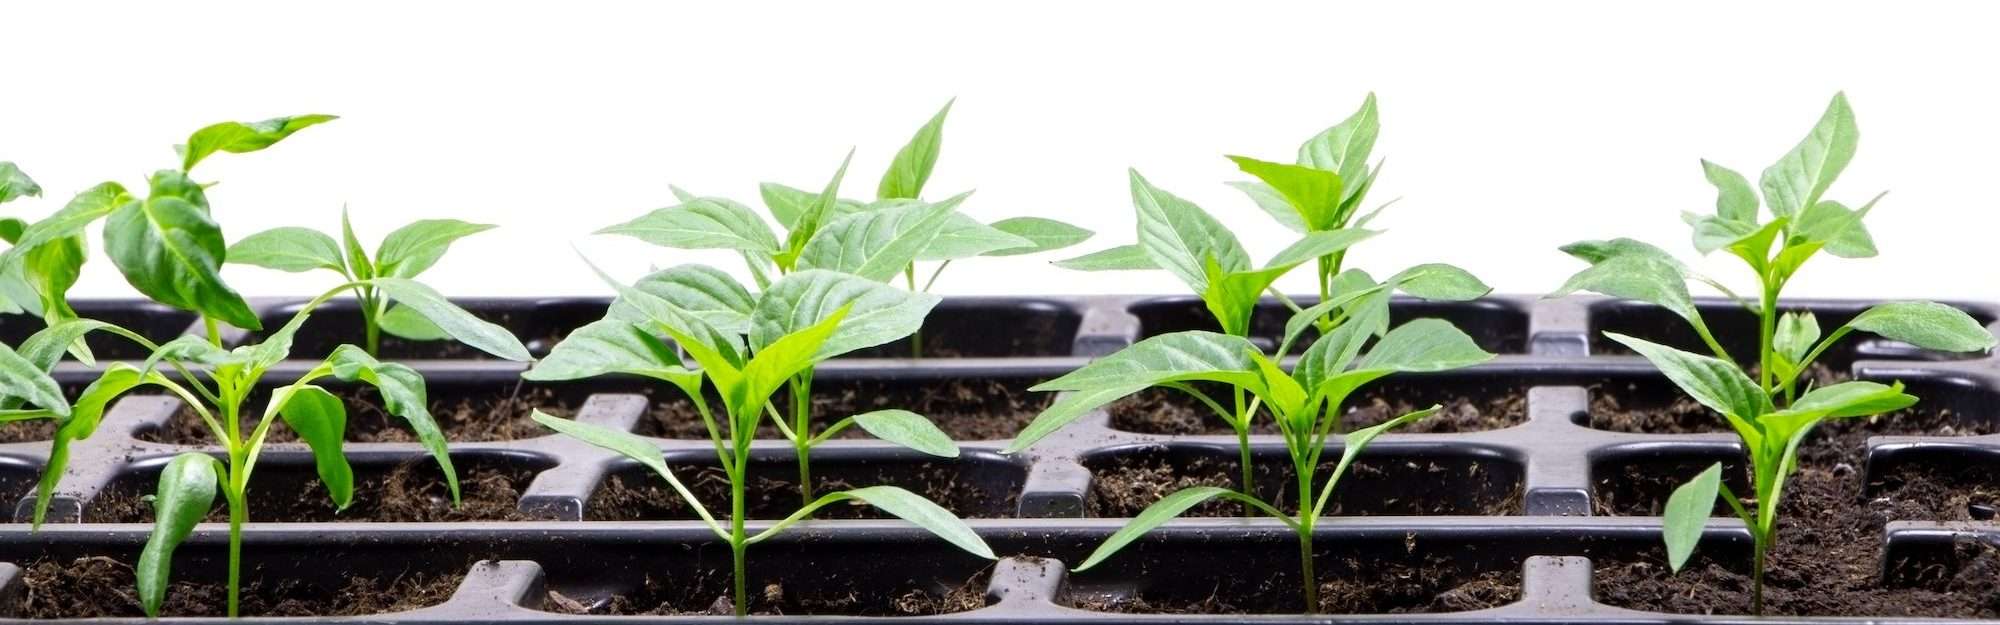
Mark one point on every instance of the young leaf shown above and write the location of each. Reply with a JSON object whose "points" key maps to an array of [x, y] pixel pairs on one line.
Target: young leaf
{"points": [[455, 321], [1712, 382], [1929, 325], [15, 184], [1838, 228], [1637, 276], [358, 265], [627, 445], [411, 249], [609, 346], [1734, 200], [171, 251], [877, 244], [877, 313], [321, 421], [1121, 258], [923, 513], [403, 322], [1798, 179], [1177, 356], [1319, 243], [817, 214], [1315, 193], [1439, 281], [1424, 345], [1852, 399], [1232, 297], [1178, 236], [912, 166], [773, 366], [786, 204], [1796, 333], [24, 379], [241, 137], [1686, 514], [1273, 203], [965, 237], [908, 429], [1042, 235], [290, 249], [1594, 252], [186, 492], [1166, 509], [702, 224], [403, 395], [699, 290], [1344, 148]]}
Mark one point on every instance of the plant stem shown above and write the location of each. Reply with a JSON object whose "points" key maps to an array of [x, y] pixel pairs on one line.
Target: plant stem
{"points": [[1243, 453], [801, 419], [1306, 520], [1767, 326], [1757, 575], [214, 336], [741, 598], [238, 514]]}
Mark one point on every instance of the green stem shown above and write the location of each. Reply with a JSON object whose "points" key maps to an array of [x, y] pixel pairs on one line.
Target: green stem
{"points": [[1767, 327], [1306, 518], [802, 440], [214, 336], [238, 515], [1243, 452], [741, 598], [1757, 575]]}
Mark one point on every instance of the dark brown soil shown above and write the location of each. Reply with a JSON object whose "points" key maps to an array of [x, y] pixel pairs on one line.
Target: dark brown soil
{"points": [[463, 420], [1126, 485], [966, 409], [1638, 408], [413, 491], [1385, 588], [708, 594], [773, 492], [27, 431], [95, 587], [1165, 411]]}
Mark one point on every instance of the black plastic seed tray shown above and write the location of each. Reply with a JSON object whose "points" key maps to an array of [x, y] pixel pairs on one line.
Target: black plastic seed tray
{"points": [[1546, 470]]}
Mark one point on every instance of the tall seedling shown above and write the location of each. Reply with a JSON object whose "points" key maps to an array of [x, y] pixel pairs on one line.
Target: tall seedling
{"points": [[1765, 405]]}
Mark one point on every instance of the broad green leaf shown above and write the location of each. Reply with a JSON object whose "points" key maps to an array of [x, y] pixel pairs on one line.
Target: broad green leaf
{"points": [[877, 244], [1686, 514], [700, 290], [1166, 509], [1641, 277], [816, 215], [965, 237], [786, 204], [1272, 203], [1232, 297], [1284, 395], [1594, 252], [403, 322], [1712, 233], [45, 347], [702, 341], [1315, 193], [1852, 399], [912, 166], [30, 382], [172, 252], [1042, 235], [1439, 281], [1796, 333], [321, 421], [1178, 236], [1755, 247], [289, 248], [1424, 345], [1714, 383], [681, 194], [774, 364], [50, 270], [1798, 179], [923, 513], [1333, 352], [455, 321], [90, 205], [702, 224], [83, 420], [411, 249], [877, 313], [609, 346], [1178, 356], [1734, 199], [1121, 258], [403, 395], [1838, 228], [15, 184], [908, 429], [1929, 325], [176, 184], [241, 137], [186, 492], [1318, 244], [1344, 148]]}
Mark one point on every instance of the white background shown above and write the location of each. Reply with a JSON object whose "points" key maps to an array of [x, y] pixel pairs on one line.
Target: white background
{"points": [[1509, 128]]}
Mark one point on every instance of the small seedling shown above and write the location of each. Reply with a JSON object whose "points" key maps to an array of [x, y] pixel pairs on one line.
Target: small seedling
{"points": [[1764, 405], [405, 253], [1305, 404], [786, 339]]}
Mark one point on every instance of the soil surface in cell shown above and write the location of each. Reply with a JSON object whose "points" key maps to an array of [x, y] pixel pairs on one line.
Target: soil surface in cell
{"points": [[500, 417], [1123, 486], [1641, 407], [1434, 585], [412, 491], [966, 409], [639, 496], [708, 594], [101, 587], [1164, 411], [27, 431]]}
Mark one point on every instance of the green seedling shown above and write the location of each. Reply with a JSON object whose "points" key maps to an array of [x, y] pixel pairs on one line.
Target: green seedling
{"points": [[875, 313], [217, 384], [405, 253], [1305, 403], [787, 337], [1765, 406]]}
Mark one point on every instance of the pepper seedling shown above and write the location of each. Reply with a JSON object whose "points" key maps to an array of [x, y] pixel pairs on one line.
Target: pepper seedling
{"points": [[876, 313], [405, 253], [1305, 404], [786, 340], [38, 284], [1764, 405], [216, 384]]}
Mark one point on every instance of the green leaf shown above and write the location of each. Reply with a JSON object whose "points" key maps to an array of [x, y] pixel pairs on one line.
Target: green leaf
{"points": [[321, 421], [1439, 281], [1318, 244], [1285, 396], [1798, 179], [701, 340], [1838, 228], [1178, 236], [21, 378], [15, 184], [172, 252], [241, 137], [1424, 345], [82, 422], [1852, 399], [1713, 382], [877, 313], [1344, 148], [609, 346], [1232, 297], [359, 267], [411, 249], [186, 492], [1594, 252], [702, 224], [1687, 514], [700, 290], [877, 244], [291, 249], [86, 207], [1121, 258], [1273, 203], [786, 204], [1641, 277], [630, 446], [908, 429], [965, 237], [405, 323], [403, 395], [923, 513], [1178, 356], [1712, 233], [1929, 325], [1315, 193], [817, 214], [1357, 441], [1166, 509], [454, 321], [50, 270], [177, 184], [1796, 334], [912, 166], [1043, 235], [1333, 352], [1734, 199], [773, 365]]}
